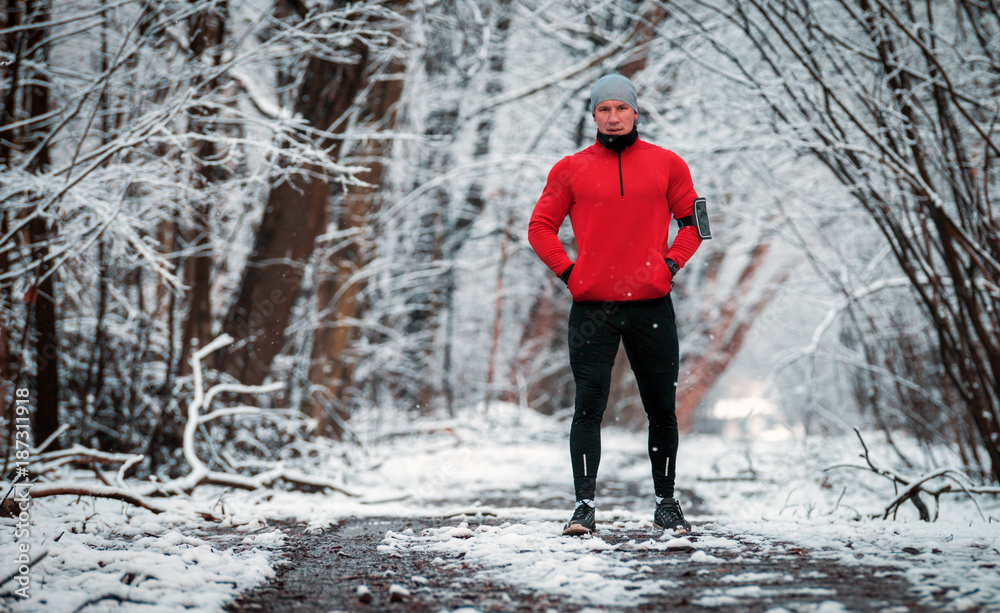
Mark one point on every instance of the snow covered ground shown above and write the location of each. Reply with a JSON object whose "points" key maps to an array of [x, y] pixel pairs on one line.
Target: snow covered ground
{"points": [[102, 555], [512, 467]]}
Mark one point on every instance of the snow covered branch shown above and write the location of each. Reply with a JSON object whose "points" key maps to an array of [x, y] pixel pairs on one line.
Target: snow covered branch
{"points": [[78, 454], [913, 487], [200, 473], [96, 491]]}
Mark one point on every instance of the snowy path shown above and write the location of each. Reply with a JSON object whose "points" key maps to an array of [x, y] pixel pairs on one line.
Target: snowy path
{"points": [[462, 513], [479, 527], [491, 564]]}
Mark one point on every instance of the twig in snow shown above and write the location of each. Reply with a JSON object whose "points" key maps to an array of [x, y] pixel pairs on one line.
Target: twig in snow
{"points": [[914, 486], [200, 473], [96, 491], [120, 475], [109, 596], [77, 454], [51, 437], [17, 570]]}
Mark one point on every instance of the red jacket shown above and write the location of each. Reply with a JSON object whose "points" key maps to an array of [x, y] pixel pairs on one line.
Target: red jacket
{"points": [[620, 208]]}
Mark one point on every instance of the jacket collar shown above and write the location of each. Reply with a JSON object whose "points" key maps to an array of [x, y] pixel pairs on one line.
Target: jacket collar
{"points": [[618, 144]]}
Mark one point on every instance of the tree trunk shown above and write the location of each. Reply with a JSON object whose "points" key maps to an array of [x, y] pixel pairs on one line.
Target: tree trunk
{"points": [[294, 216], [338, 293], [539, 385], [43, 308], [6, 357], [42, 295], [207, 32], [94, 384], [497, 315], [452, 232], [9, 18]]}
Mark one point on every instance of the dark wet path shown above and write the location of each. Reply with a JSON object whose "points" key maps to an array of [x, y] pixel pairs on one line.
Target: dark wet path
{"points": [[322, 572]]}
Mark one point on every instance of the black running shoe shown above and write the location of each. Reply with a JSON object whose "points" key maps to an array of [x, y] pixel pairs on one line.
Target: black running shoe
{"points": [[583, 522], [668, 516]]}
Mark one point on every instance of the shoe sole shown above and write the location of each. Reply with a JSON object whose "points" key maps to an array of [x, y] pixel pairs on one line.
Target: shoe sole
{"points": [[676, 530], [576, 529]]}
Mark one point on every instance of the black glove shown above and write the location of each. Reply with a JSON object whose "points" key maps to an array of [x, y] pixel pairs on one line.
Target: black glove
{"points": [[565, 275]]}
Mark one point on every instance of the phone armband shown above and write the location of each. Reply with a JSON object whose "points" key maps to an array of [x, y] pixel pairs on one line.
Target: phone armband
{"points": [[698, 219], [701, 219]]}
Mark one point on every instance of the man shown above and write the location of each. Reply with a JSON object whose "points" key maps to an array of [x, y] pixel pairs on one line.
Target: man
{"points": [[620, 194]]}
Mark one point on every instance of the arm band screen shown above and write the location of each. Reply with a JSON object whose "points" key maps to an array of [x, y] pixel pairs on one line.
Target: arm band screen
{"points": [[698, 219]]}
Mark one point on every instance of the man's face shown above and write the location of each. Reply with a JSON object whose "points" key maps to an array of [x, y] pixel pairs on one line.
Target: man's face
{"points": [[614, 117]]}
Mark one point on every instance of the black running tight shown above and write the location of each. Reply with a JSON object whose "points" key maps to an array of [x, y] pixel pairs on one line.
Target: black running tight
{"points": [[649, 333]]}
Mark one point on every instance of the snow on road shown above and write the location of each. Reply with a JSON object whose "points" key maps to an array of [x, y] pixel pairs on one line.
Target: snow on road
{"points": [[773, 495], [531, 555], [749, 501], [101, 555]]}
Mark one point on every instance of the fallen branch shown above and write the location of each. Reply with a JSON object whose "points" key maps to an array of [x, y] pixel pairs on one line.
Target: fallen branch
{"points": [[299, 478], [96, 491], [77, 454], [200, 473], [913, 487], [109, 596], [17, 570], [48, 441], [256, 482]]}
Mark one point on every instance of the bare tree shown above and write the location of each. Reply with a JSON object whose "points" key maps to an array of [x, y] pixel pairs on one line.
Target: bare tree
{"points": [[297, 206], [206, 35], [179, 121], [340, 301], [7, 356], [28, 105], [897, 99]]}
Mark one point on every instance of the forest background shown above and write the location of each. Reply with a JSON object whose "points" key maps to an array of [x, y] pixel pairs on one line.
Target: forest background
{"points": [[344, 189]]}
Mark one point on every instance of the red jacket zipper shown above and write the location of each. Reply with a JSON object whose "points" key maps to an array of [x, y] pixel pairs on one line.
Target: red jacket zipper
{"points": [[621, 183]]}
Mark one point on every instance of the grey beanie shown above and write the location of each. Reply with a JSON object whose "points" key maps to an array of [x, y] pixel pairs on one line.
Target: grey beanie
{"points": [[613, 87]]}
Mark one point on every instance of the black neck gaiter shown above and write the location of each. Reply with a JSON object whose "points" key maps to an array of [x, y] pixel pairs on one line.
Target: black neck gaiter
{"points": [[618, 143]]}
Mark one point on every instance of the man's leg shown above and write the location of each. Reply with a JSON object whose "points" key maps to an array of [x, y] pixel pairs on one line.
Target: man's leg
{"points": [[593, 381], [593, 343], [651, 343], [657, 391], [653, 351]]}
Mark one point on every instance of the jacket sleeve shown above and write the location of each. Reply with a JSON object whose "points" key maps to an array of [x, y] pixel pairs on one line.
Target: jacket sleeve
{"points": [[681, 197], [548, 215]]}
